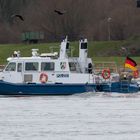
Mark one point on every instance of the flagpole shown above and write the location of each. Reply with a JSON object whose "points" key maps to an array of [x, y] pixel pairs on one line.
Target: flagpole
{"points": [[126, 55], [124, 64]]}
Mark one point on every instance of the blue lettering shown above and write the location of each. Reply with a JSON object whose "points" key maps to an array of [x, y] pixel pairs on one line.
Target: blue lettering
{"points": [[62, 75]]}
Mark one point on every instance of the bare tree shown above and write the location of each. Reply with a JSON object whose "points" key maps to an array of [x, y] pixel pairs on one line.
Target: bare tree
{"points": [[81, 18]]}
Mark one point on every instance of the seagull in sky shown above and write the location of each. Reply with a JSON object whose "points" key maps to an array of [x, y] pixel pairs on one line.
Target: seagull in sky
{"points": [[18, 16], [59, 12]]}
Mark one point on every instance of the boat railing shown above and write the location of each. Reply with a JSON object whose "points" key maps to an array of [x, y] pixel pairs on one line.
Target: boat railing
{"points": [[100, 66]]}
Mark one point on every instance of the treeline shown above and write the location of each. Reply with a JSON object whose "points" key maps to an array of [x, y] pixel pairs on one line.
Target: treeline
{"points": [[94, 19]]}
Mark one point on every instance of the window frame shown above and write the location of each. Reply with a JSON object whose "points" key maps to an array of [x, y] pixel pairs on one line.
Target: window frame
{"points": [[34, 70], [18, 67], [72, 65], [48, 69], [8, 66]]}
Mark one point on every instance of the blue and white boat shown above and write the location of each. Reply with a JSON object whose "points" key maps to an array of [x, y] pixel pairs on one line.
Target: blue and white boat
{"points": [[53, 74]]}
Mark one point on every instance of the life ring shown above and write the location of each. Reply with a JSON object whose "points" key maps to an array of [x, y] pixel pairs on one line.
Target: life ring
{"points": [[136, 74], [106, 73], [43, 78]]}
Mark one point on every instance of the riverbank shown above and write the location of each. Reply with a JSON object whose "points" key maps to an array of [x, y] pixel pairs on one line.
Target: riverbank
{"points": [[101, 51]]}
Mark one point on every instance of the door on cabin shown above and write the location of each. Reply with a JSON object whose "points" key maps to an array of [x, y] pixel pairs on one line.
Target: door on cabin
{"points": [[13, 73]]}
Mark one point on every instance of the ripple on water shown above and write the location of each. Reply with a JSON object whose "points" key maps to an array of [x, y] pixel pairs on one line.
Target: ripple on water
{"points": [[97, 116]]}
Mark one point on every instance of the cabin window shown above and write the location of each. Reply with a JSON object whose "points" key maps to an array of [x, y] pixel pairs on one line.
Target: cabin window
{"points": [[31, 66], [72, 66], [19, 67], [47, 66], [83, 45], [11, 67]]}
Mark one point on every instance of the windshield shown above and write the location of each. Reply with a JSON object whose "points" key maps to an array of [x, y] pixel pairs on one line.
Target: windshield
{"points": [[11, 67]]}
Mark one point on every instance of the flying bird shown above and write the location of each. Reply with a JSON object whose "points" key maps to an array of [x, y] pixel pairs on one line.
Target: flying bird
{"points": [[18, 16], [59, 12]]}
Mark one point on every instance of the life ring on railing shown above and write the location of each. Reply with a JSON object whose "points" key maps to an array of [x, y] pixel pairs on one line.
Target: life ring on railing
{"points": [[136, 74], [106, 73], [43, 78]]}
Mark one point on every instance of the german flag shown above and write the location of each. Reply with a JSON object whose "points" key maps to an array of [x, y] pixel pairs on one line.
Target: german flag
{"points": [[130, 63]]}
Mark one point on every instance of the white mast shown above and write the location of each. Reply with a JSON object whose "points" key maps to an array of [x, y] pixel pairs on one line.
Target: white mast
{"points": [[63, 46], [83, 51]]}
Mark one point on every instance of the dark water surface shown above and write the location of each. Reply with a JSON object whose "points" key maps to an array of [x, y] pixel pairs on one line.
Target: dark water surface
{"points": [[77, 117]]}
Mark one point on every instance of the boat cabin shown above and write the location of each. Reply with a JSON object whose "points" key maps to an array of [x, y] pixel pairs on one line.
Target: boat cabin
{"points": [[50, 68]]}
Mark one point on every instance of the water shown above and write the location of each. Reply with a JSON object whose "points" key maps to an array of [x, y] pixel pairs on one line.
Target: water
{"points": [[77, 117]]}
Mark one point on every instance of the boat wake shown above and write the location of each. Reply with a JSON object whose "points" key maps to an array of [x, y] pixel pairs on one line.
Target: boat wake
{"points": [[108, 94]]}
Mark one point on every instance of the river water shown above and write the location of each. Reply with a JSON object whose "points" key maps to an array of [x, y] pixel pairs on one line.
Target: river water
{"points": [[87, 116]]}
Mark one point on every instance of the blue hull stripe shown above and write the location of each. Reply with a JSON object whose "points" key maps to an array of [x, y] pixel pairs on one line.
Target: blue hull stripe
{"points": [[44, 89], [62, 89]]}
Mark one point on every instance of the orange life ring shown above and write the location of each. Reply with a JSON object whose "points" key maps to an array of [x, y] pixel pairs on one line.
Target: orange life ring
{"points": [[136, 74], [106, 73], [43, 78]]}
